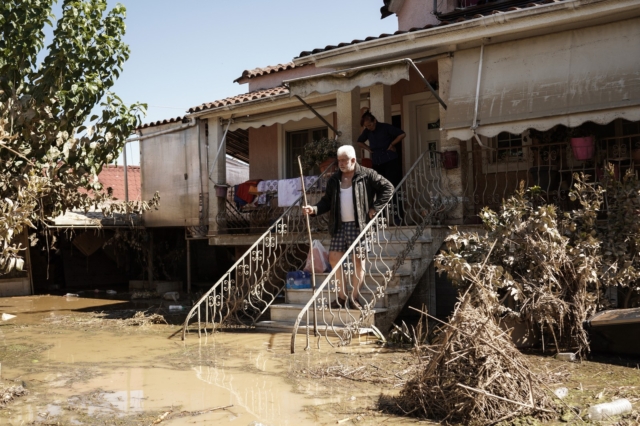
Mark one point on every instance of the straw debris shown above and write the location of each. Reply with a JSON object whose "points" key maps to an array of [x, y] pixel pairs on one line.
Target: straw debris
{"points": [[110, 319], [475, 375]]}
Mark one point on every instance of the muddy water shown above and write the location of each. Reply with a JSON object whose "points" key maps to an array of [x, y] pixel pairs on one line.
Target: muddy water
{"points": [[99, 373]]}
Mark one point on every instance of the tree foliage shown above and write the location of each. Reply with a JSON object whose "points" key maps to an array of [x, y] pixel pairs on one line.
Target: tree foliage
{"points": [[50, 144]]}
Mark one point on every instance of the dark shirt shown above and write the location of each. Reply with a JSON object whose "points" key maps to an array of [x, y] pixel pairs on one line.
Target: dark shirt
{"points": [[379, 141]]}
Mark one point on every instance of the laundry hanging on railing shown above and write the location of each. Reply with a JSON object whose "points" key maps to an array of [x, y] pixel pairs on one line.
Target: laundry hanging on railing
{"points": [[264, 188], [244, 192], [289, 190]]}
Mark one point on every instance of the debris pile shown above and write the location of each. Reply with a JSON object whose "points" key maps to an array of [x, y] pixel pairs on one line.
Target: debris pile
{"points": [[110, 319], [141, 319], [9, 394], [474, 374]]}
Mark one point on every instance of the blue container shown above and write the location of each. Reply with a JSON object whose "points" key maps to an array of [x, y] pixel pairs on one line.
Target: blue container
{"points": [[298, 280]]}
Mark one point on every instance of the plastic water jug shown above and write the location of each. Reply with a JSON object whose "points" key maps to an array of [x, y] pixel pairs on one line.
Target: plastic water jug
{"points": [[609, 409], [298, 280]]}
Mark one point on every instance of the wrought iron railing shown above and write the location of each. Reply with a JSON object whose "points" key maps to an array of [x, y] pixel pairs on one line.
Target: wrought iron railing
{"points": [[490, 174], [382, 248], [252, 284]]}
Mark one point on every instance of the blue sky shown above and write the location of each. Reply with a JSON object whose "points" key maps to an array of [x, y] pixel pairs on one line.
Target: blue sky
{"points": [[187, 52]]}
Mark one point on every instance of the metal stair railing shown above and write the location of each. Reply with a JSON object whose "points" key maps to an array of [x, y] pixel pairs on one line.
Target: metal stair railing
{"points": [[242, 295], [420, 199]]}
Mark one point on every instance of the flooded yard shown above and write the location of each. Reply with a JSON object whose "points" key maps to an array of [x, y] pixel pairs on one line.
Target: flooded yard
{"points": [[79, 368], [82, 364]]}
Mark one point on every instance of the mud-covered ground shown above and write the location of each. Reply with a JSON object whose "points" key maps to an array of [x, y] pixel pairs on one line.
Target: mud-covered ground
{"points": [[80, 366]]}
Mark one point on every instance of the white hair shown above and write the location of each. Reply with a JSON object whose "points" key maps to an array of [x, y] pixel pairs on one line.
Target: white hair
{"points": [[347, 150]]}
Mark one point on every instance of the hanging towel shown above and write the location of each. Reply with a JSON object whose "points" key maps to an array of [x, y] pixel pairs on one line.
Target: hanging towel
{"points": [[288, 191], [309, 181], [268, 186]]}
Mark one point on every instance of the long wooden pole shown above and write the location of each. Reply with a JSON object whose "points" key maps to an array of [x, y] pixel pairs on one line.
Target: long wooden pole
{"points": [[313, 269]]}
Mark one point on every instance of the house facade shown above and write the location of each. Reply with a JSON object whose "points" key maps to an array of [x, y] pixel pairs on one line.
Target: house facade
{"points": [[496, 89]]}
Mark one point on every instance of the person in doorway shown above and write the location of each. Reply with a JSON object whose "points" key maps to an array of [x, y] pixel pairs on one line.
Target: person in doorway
{"points": [[353, 196], [384, 141]]}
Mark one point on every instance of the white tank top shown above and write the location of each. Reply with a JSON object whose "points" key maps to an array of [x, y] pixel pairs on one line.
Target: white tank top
{"points": [[347, 214]]}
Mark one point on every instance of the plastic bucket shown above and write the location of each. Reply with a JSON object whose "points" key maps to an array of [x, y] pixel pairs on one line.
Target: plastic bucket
{"points": [[582, 148]]}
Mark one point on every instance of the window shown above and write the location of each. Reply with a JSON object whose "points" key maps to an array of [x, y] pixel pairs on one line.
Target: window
{"points": [[511, 153], [508, 147], [295, 146]]}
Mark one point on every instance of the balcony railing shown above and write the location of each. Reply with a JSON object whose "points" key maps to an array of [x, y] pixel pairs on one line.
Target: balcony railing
{"points": [[492, 175], [257, 217], [244, 293]]}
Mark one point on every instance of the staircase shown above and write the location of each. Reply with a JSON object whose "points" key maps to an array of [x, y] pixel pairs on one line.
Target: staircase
{"points": [[401, 242], [384, 291]]}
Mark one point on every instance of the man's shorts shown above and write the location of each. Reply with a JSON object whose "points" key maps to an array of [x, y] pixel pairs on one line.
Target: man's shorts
{"points": [[345, 236]]}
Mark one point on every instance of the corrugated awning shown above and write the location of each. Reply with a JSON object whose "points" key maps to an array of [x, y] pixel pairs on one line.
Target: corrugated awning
{"points": [[280, 117], [387, 73], [590, 74]]}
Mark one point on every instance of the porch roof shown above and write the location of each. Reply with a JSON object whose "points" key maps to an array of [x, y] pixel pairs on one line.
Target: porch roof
{"points": [[387, 73], [480, 14]]}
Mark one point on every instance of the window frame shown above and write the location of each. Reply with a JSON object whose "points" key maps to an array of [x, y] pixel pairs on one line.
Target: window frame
{"points": [[491, 165], [291, 169]]}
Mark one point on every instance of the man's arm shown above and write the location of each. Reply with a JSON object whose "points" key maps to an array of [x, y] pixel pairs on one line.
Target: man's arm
{"points": [[397, 135], [383, 189], [364, 136]]}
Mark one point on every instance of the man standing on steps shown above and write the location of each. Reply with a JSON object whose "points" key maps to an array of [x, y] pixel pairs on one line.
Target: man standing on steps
{"points": [[353, 196]]}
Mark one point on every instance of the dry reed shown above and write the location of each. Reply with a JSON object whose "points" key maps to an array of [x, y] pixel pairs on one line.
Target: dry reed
{"points": [[475, 375]]}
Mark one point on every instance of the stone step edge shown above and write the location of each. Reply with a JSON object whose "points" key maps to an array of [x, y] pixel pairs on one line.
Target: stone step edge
{"points": [[295, 306], [288, 326]]}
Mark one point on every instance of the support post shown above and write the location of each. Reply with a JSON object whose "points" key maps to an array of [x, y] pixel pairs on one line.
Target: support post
{"points": [[150, 259], [454, 176], [126, 169], [217, 172], [380, 102], [188, 266], [348, 108]]}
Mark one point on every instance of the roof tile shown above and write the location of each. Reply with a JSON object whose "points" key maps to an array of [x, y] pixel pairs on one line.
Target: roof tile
{"points": [[239, 99], [257, 72], [113, 177], [161, 122]]}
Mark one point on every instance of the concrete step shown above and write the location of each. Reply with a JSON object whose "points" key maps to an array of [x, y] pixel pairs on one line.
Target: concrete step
{"points": [[341, 317], [374, 279], [393, 248], [364, 334], [302, 296], [403, 233]]}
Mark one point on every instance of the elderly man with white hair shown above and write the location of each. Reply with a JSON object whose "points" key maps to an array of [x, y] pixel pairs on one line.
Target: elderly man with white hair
{"points": [[353, 196]]}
